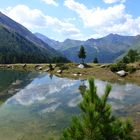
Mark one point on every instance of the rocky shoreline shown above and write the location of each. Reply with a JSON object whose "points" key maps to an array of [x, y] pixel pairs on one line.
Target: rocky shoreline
{"points": [[73, 71]]}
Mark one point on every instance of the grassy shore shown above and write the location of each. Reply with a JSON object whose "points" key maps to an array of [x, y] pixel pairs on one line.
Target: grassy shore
{"points": [[71, 70]]}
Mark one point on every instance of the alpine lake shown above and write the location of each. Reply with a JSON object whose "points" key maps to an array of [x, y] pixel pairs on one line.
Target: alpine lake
{"points": [[38, 106]]}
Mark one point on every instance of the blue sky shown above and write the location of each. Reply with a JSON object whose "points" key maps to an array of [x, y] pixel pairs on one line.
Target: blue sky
{"points": [[75, 19]]}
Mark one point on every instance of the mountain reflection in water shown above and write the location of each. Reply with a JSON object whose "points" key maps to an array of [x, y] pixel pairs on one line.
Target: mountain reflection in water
{"points": [[44, 105]]}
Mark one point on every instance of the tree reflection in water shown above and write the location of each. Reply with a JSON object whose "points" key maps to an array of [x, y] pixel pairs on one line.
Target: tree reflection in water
{"points": [[82, 87], [51, 75]]}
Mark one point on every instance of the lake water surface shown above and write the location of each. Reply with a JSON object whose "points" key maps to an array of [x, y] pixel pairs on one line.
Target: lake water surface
{"points": [[37, 106]]}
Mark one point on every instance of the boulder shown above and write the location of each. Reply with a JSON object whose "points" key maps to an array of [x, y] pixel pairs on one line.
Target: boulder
{"points": [[46, 70], [121, 73], [81, 66], [103, 66], [24, 65], [75, 74], [59, 71], [8, 66], [39, 68]]}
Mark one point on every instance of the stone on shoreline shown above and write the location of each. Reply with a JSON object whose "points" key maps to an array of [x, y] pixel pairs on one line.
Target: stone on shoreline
{"points": [[46, 70], [103, 66], [81, 66], [59, 71], [8, 66], [24, 65], [39, 68], [121, 73]]}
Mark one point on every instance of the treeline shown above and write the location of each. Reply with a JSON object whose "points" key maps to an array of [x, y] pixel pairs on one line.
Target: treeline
{"points": [[131, 57], [16, 49], [11, 58]]}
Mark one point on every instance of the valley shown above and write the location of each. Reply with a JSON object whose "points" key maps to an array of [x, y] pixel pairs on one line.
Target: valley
{"points": [[65, 77]]}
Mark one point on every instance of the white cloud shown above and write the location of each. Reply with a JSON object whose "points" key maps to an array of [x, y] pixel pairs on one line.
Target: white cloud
{"points": [[51, 2], [113, 1], [103, 21], [34, 18], [97, 16], [27, 17]]}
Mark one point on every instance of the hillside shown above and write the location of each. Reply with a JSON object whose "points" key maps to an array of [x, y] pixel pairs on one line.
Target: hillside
{"points": [[137, 43], [54, 44], [61, 46], [135, 46], [107, 49], [16, 49], [18, 44]]}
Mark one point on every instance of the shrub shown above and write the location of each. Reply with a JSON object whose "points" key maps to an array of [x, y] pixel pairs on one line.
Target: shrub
{"points": [[130, 69], [131, 57], [117, 67], [64, 67], [122, 66], [96, 121]]}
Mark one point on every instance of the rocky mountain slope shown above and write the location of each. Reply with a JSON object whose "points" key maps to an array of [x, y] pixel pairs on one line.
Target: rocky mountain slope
{"points": [[17, 43], [107, 49]]}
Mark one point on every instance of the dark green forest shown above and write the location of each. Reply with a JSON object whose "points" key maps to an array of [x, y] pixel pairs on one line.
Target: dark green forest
{"points": [[14, 48]]}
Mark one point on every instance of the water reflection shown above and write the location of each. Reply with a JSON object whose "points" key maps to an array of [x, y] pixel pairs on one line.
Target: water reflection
{"points": [[62, 90], [12, 82], [82, 87], [45, 105], [51, 75], [41, 88]]}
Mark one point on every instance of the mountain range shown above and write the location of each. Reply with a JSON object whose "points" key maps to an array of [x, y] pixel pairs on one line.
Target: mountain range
{"points": [[107, 49], [18, 44]]}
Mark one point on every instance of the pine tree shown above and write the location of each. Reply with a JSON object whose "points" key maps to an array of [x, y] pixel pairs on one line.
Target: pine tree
{"points": [[96, 121], [82, 54], [95, 60], [51, 67]]}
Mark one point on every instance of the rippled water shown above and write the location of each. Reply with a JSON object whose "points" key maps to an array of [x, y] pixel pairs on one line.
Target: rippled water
{"points": [[40, 106]]}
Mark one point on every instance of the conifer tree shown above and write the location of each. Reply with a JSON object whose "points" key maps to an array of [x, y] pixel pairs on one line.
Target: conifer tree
{"points": [[95, 60], [50, 67], [96, 121], [82, 54]]}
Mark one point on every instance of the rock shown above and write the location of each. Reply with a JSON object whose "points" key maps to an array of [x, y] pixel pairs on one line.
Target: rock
{"points": [[17, 82], [79, 74], [8, 66], [103, 66], [36, 66], [75, 74], [54, 66], [46, 70], [81, 66], [24, 65], [121, 73], [59, 71], [39, 68]]}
